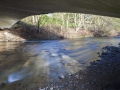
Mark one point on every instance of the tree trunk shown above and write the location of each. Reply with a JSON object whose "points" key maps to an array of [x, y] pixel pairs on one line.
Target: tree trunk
{"points": [[33, 20], [67, 21], [63, 23]]}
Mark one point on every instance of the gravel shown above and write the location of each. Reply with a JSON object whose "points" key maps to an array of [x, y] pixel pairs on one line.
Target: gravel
{"points": [[103, 74]]}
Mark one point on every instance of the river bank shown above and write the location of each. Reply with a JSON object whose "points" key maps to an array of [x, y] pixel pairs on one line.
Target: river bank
{"points": [[24, 32]]}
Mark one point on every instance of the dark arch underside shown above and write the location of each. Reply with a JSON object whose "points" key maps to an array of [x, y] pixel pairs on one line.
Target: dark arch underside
{"points": [[13, 10]]}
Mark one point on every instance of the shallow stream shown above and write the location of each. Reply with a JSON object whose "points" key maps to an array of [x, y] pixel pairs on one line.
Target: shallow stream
{"points": [[36, 63]]}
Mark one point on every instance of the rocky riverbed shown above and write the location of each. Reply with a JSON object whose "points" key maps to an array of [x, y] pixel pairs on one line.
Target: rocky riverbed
{"points": [[103, 74]]}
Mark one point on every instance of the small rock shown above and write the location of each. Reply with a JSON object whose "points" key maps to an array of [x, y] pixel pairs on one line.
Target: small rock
{"points": [[98, 53], [77, 76], [51, 88], [81, 77], [82, 86], [41, 88], [3, 84], [61, 76], [54, 54], [69, 74]]}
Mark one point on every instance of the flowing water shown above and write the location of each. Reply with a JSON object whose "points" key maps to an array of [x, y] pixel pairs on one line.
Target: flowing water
{"points": [[46, 61]]}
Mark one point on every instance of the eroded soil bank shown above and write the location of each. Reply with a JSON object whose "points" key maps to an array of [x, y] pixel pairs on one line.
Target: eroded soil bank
{"points": [[23, 32]]}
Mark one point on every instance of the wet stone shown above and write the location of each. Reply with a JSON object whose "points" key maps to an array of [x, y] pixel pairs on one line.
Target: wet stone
{"points": [[54, 55], [61, 76]]}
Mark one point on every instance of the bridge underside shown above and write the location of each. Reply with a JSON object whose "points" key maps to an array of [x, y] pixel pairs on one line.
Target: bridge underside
{"points": [[12, 11]]}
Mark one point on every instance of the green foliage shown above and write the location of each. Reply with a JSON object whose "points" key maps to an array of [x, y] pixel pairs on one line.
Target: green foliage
{"points": [[43, 20], [76, 20], [46, 20]]}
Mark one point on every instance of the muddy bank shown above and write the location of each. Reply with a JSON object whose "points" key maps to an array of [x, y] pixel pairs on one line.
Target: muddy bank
{"points": [[22, 31], [7, 35]]}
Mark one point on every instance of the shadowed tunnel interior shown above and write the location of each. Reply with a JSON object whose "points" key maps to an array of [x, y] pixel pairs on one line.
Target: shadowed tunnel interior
{"points": [[12, 11]]}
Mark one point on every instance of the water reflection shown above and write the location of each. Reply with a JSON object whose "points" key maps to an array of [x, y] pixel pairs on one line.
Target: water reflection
{"points": [[18, 76], [47, 60]]}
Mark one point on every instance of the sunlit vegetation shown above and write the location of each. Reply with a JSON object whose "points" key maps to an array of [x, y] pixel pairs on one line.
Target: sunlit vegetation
{"points": [[86, 24]]}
